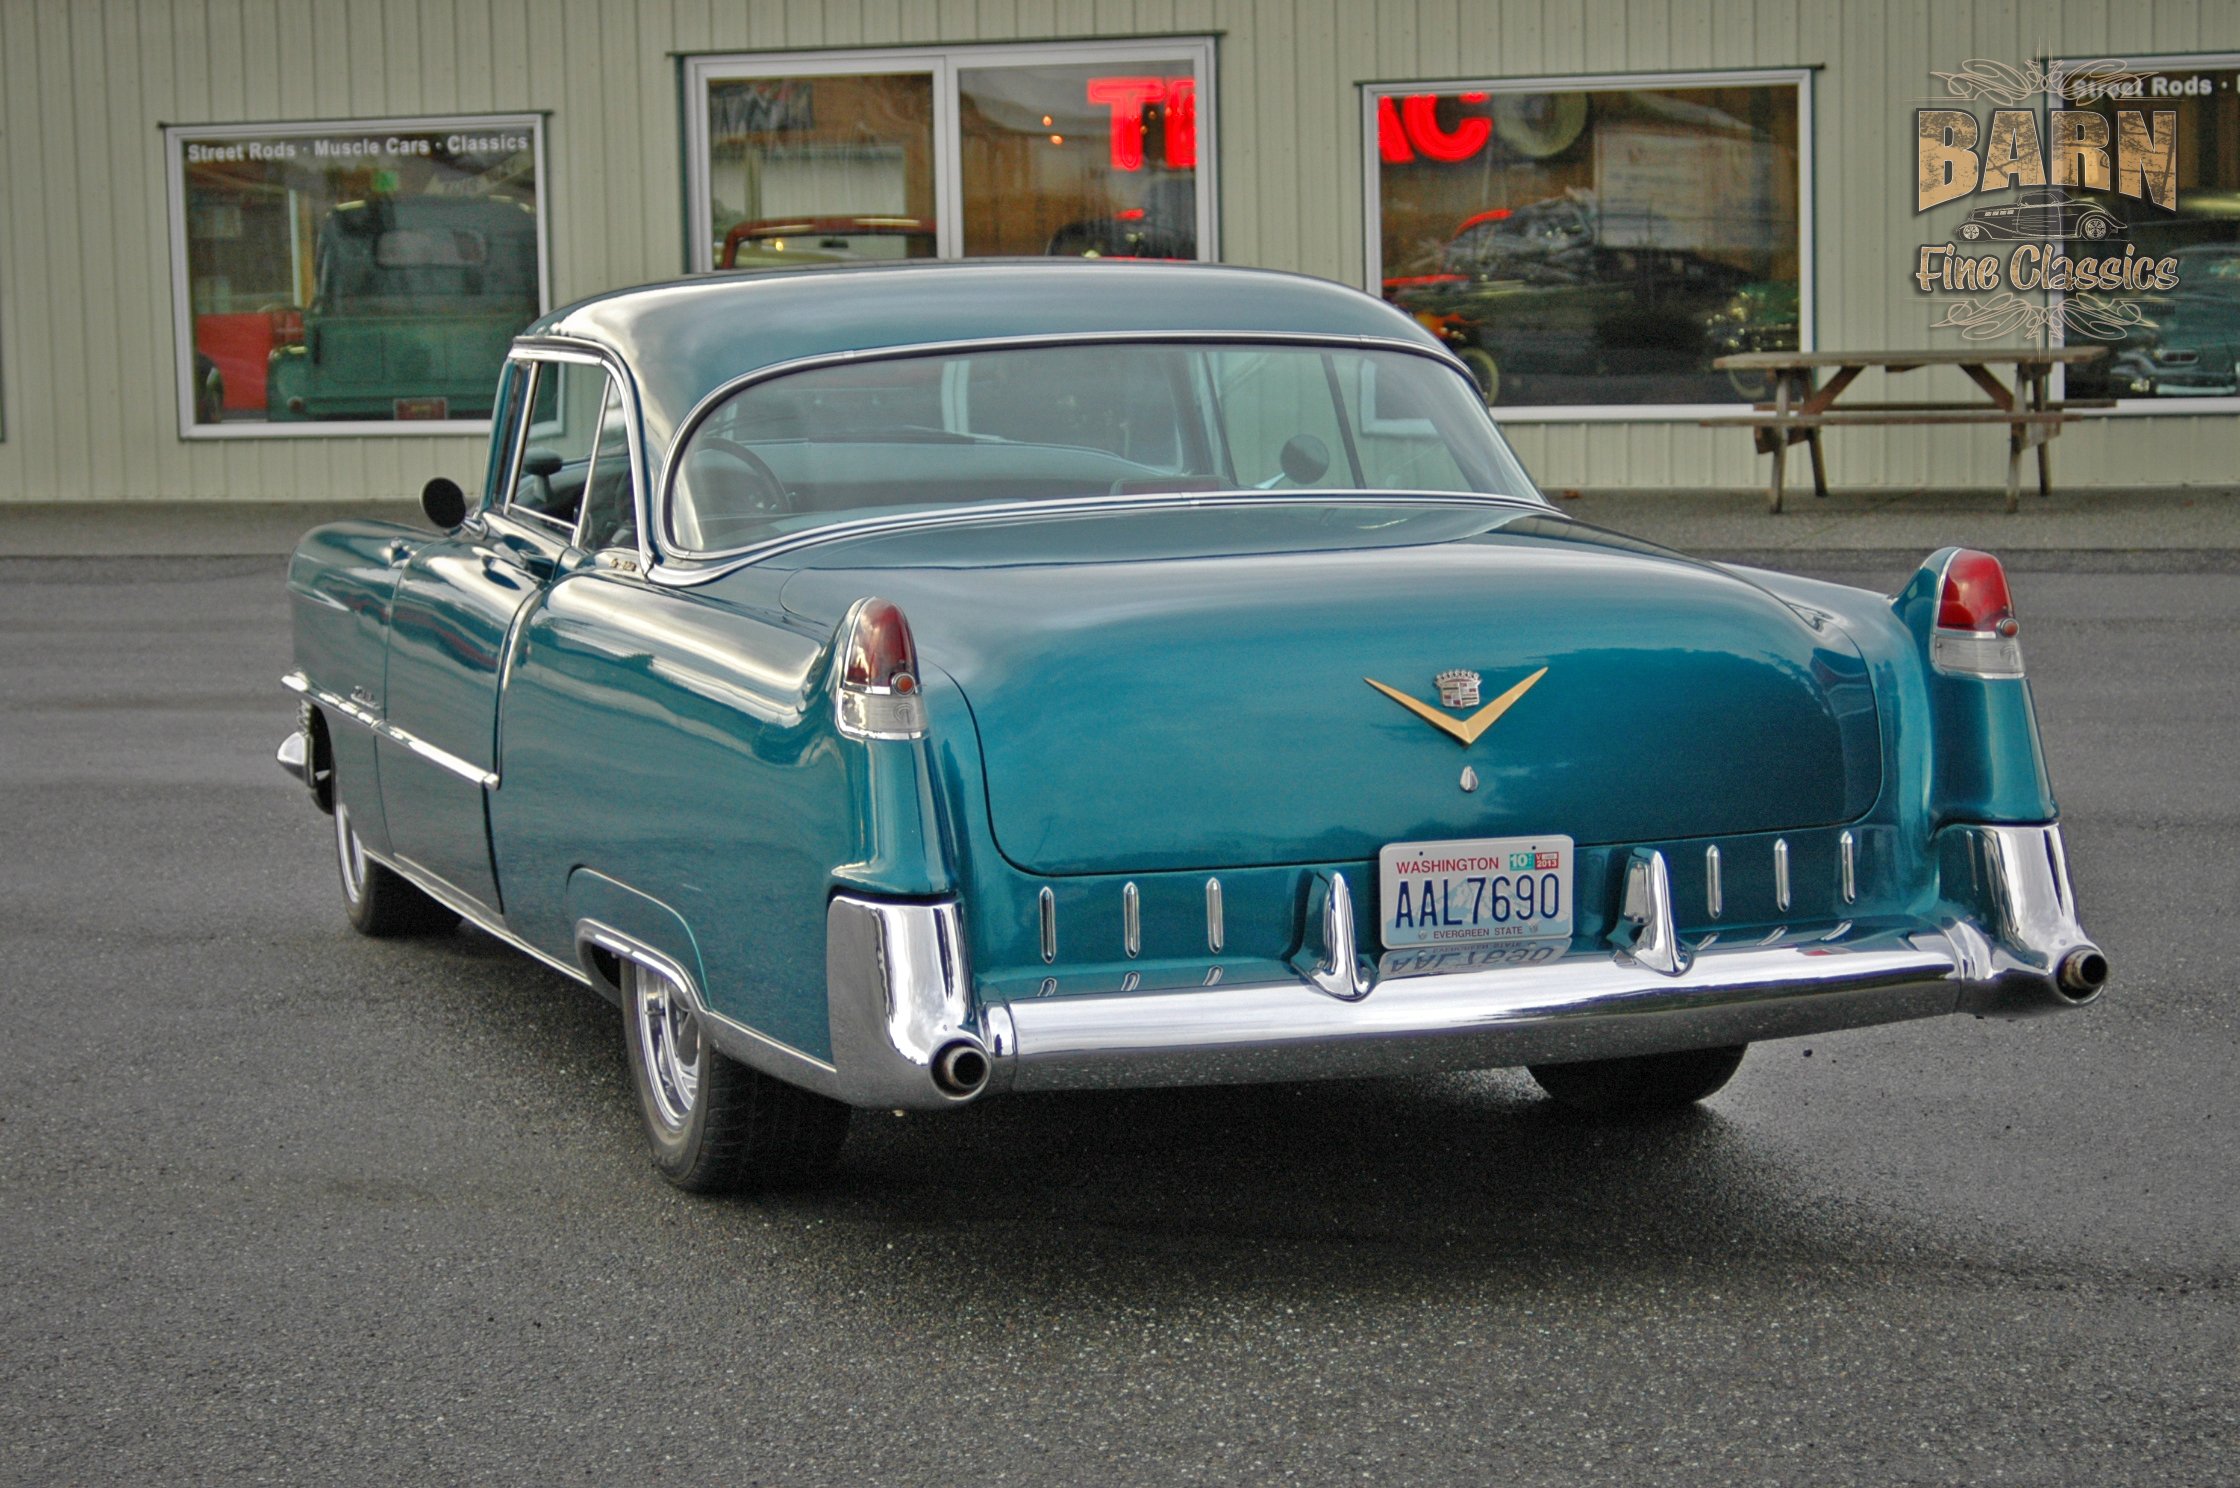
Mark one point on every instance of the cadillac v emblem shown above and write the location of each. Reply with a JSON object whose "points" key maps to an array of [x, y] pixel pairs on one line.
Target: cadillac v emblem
{"points": [[1459, 689]]}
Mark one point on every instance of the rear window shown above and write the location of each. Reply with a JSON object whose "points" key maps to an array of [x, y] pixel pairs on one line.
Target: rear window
{"points": [[837, 443]]}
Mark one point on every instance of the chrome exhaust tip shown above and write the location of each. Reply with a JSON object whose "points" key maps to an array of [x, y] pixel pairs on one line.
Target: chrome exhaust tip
{"points": [[961, 1070], [2082, 973]]}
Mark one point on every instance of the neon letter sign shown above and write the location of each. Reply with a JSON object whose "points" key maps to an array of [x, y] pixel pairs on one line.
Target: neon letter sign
{"points": [[1128, 97]]}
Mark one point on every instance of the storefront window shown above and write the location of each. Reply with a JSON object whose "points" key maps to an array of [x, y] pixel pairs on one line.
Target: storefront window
{"points": [[347, 277], [1596, 244], [820, 169], [1079, 162], [2182, 351], [1080, 150]]}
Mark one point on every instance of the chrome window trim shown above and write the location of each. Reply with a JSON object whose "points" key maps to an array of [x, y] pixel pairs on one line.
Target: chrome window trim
{"points": [[358, 713], [548, 348], [664, 554]]}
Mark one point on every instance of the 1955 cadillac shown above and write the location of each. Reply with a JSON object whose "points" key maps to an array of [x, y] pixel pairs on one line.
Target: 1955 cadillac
{"points": [[900, 685]]}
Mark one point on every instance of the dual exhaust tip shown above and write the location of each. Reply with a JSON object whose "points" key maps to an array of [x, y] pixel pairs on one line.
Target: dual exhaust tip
{"points": [[961, 1070]]}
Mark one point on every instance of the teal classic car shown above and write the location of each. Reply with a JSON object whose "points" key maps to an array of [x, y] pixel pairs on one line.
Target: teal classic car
{"points": [[899, 685]]}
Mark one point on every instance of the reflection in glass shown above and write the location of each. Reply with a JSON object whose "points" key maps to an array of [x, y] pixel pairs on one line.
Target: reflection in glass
{"points": [[1087, 160], [334, 276], [809, 170], [1595, 247]]}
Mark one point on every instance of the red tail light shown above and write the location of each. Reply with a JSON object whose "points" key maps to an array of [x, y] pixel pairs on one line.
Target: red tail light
{"points": [[878, 692], [1976, 627], [1975, 595]]}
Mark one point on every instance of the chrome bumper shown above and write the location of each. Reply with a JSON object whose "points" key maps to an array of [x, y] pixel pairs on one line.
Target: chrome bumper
{"points": [[904, 1020]]}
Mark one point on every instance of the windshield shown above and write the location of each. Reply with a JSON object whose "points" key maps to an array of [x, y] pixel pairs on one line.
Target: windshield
{"points": [[917, 433]]}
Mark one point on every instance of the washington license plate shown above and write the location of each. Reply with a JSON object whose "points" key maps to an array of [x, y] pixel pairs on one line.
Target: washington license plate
{"points": [[1477, 891]]}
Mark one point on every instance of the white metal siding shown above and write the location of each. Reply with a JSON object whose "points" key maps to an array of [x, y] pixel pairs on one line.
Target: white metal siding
{"points": [[85, 298]]}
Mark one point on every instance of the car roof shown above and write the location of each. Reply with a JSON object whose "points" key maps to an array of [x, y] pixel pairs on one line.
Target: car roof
{"points": [[685, 338]]}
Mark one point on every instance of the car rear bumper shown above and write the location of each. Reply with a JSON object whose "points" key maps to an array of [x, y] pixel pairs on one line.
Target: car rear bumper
{"points": [[907, 1032]]}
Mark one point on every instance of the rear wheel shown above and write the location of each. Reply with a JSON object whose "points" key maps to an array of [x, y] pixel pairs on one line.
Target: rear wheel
{"points": [[714, 1124], [1645, 1082], [379, 901]]}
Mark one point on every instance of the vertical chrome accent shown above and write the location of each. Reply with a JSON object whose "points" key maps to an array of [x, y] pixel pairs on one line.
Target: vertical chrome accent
{"points": [[1781, 874], [1131, 981], [1049, 987], [1215, 933], [1339, 972], [1049, 926], [1644, 930], [1714, 888], [1850, 847], [1469, 780], [1213, 977], [1131, 921]]}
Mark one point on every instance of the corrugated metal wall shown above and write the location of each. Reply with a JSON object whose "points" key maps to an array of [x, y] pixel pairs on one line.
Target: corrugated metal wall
{"points": [[85, 296]]}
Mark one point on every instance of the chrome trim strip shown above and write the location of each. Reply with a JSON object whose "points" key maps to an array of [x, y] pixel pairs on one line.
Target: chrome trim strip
{"points": [[1131, 920], [471, 910], [679, 573], [1049, 913], [1714, 888], [1781, 874], [1215, 931], [1848, 871], [747, 1044], [466, 770]]}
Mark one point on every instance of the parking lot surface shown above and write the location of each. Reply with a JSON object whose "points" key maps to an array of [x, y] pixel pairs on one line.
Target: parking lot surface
{"points": [[281, 1204]]}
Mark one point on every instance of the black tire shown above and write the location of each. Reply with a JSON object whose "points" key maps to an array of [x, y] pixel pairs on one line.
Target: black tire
{"points": [[714, 1125], [1643, 1083], [380, 902]]}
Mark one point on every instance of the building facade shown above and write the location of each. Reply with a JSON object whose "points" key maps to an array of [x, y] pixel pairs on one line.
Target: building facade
{"points": [[269, 250]]}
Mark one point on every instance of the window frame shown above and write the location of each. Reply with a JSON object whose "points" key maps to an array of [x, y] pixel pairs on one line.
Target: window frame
{"points": [[175, 140], [1372, 177], [2058, 387], [942, 64], [530, 358]]}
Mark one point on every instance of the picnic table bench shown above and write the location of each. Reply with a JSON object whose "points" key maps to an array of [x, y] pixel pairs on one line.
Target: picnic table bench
{"points": [[1801, 406]]}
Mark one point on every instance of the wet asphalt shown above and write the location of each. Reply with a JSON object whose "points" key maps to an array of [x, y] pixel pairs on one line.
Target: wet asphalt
{"points": [[280, 1204]]}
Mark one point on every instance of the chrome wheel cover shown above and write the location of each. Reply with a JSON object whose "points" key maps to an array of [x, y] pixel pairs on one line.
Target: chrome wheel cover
{"points": [[350, 855], [668, 1045]]}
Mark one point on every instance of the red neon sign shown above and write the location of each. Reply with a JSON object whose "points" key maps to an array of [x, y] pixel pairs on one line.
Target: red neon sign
{"points": [[1413, 128], [1128, 97]]}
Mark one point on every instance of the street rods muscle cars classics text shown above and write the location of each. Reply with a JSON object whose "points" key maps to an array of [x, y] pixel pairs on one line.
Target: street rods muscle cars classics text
{"points": [[897, 685]]}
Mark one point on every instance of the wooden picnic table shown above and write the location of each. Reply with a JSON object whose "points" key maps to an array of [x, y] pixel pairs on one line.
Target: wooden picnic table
{"points": [[1801, 405]]}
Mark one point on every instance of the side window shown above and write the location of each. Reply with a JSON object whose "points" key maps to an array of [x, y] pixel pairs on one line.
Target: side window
{"points": [[610, 514], [563, 433]]}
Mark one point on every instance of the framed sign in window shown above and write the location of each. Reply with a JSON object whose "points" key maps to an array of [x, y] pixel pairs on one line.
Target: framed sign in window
{"points": [[352, 277], [1089, 149], [1590, 245]]}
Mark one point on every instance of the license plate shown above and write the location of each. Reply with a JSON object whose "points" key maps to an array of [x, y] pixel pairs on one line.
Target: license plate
{"points": [[421, 408], [1477, 891]]}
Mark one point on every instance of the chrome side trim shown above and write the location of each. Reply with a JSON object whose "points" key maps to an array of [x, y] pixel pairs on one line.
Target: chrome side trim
{"points": [[1216, 933], [747, 1044], [1047, 908], [473, 911], [358, 713], [1848, 869], [1781, 874], [1714, 889], [1131, 921]]}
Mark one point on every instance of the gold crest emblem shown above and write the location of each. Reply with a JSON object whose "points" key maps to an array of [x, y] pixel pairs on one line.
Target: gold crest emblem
{"points": [[1466, 730]]}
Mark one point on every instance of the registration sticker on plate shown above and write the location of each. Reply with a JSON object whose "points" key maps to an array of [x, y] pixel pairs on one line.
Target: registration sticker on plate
{"points": [[1477, 891]]}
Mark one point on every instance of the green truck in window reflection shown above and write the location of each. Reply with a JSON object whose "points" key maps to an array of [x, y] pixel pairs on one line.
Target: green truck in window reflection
{"points": [[417, 300]]}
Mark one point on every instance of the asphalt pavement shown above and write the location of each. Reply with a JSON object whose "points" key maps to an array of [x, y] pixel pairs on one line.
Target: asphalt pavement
{"points": [[281, 1204]]}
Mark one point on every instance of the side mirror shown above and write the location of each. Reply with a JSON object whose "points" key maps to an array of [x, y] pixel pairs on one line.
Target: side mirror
{"points": [[1305, 459], [538, 461], [444, 502]]}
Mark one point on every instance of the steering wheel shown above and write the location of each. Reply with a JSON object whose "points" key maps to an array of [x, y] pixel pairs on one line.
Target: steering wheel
{"points": [[771, 495]]}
